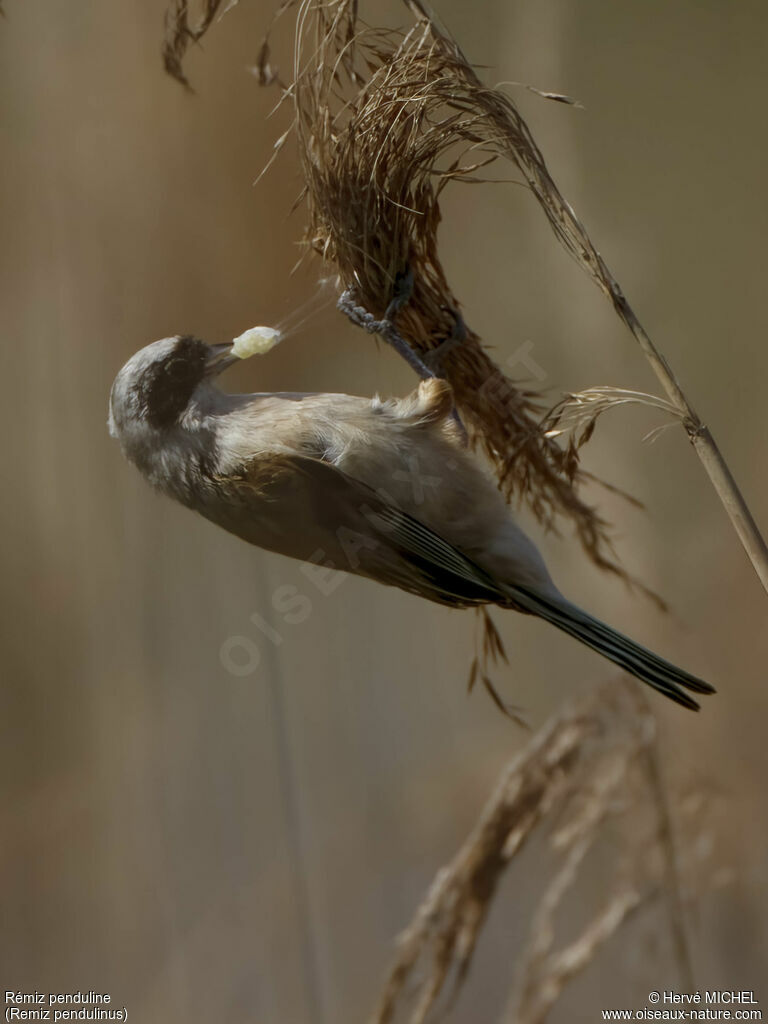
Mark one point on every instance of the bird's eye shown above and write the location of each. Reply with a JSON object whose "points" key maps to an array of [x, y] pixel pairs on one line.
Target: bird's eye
{"points": [[177, 369], [167, 385]]}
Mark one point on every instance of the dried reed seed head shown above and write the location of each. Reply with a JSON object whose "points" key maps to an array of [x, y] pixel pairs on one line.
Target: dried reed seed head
{"points": [[179, 33], [384, 120], [588, 767]]}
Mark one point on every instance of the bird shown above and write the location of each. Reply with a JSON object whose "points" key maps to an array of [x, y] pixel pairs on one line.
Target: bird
{"points": [[382, 488]]}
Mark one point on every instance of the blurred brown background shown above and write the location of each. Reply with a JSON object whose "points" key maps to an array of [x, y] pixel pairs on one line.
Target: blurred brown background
{"points": [[149, 828]]}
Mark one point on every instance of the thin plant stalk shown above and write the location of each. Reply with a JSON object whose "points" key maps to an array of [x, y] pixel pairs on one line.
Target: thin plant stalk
{"points": [[523, 152], [702, 440]]}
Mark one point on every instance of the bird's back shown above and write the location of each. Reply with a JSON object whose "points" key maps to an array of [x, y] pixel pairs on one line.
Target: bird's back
{"points": [[410, 452]]}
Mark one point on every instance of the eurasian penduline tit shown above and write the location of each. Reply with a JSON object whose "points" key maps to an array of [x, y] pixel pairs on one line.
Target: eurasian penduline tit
{"points": [[384, 489]]}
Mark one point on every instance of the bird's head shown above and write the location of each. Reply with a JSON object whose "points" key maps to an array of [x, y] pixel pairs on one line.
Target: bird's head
{"points": [[156, 385], [153, 393]]}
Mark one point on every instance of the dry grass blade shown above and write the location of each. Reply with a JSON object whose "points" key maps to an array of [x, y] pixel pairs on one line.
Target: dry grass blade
{"points": [[447, 924], [179, 33], [587, 765], [577, 414], [544, 971], [666, 840], [489, 652], [549, 976], [556, 97], [587, 768]]}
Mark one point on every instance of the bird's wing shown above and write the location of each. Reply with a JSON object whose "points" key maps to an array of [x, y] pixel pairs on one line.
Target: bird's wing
{"points": [[310, 510]]}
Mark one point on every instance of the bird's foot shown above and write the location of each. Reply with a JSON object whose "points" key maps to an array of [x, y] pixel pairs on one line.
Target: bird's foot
{"points": [[428, 366], [435, 358], [349, 305], [401, 294]]}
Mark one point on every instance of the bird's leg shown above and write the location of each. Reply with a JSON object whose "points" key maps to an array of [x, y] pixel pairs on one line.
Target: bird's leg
{"points": [[434, 360], [458, 335], [401, 294], [385, 327]]}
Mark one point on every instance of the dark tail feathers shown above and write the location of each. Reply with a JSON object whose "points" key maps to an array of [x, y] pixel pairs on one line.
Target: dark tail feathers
{"points": [[637, 660]]}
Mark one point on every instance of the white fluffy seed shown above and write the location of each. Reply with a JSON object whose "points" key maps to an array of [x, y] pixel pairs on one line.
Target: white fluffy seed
{"points": [[255, 342]]}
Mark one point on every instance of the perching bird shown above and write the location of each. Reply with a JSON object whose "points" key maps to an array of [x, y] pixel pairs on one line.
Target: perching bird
{"points": [[384, 489]]}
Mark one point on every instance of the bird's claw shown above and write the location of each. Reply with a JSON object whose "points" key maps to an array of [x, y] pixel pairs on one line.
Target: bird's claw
{"points": [[401, 294], [435, 358], [349, 305]]}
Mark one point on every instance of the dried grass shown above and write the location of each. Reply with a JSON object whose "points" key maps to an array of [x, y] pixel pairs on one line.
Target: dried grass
{"points": [[588, 766], [574, 418], [384, 120], [181, 30], [490, 652]]}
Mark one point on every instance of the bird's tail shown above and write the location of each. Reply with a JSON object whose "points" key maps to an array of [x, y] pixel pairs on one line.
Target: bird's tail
{"points": [[637, 660]]}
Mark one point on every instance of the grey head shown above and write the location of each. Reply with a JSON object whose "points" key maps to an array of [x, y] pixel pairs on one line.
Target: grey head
{"points": [[160, 407]]}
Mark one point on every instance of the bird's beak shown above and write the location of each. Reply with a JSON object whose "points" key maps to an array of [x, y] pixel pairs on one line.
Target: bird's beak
{"points": [[219, 358]]}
